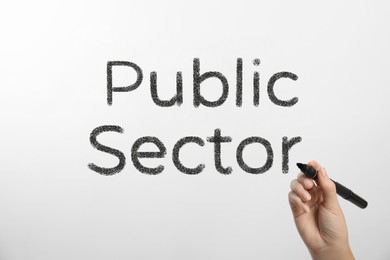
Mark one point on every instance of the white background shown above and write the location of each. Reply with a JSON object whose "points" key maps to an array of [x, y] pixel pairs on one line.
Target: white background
{"points": [[53, 58]]}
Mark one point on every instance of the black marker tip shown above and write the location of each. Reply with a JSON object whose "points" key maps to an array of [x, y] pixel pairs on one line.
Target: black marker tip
{"points": [[300, 166], [308, 170]]}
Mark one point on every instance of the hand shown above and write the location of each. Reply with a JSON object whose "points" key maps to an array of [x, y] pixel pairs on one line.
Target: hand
{"points": [[318, 216]]}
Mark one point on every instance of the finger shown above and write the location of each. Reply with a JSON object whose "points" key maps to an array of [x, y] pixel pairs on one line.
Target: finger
{"points": [[305, 181], [298, 188], [298, 207], [327, 186]]}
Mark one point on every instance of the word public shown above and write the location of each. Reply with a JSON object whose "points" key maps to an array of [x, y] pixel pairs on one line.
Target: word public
{"points": [[198, 78]]}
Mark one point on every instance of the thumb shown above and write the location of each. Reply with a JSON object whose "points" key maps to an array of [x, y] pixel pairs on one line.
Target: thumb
{"points": [[327, 186]]}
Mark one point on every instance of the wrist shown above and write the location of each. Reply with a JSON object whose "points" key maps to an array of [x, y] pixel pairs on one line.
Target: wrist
{"points": [[342, 253]]}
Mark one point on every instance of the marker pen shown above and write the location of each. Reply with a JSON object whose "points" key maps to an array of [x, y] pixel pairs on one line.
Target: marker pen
{"points": [[341, 190]]}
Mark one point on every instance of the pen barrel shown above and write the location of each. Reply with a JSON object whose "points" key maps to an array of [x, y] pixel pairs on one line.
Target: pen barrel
{"points": [[350, 196]]}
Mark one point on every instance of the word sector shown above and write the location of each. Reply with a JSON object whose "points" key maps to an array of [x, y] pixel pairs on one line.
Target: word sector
{"points": [[217, 139]]}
